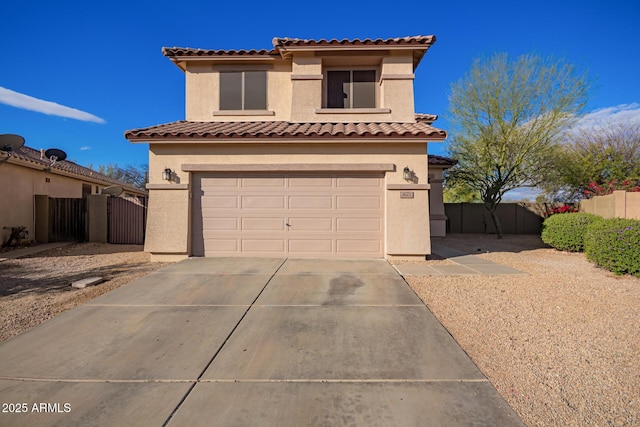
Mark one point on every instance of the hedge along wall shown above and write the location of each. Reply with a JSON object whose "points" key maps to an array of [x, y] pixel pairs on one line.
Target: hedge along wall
{"points": [[619, 204], [614, 244]]}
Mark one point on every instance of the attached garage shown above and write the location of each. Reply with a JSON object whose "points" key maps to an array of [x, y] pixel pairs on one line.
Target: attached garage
{"points": [[298, 214], [295, 190]]}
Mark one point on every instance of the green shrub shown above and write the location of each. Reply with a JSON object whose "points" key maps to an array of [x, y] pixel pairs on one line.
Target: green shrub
{"points": [[566, 231], [614, 244]]}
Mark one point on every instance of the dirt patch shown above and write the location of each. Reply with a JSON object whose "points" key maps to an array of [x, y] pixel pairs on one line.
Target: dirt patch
{"points": [[561, 344], [37, 287]]}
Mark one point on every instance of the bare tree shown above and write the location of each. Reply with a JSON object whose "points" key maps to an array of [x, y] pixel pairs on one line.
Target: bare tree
{"points": [[137, 176], [506, 119]]}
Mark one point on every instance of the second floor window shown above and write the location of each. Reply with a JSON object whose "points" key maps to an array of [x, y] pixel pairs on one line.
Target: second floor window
{"points": [[351, 89], [243, 90]]}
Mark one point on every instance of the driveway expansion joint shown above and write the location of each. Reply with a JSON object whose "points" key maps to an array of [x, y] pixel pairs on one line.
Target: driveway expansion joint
{"points": [[350, 381], [186, 395]]}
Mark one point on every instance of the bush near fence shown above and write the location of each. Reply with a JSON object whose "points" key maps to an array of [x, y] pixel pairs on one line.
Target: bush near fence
{"points": [[614, 244], [566, 231]]}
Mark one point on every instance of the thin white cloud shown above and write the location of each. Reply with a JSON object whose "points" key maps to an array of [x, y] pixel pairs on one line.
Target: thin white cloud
{"points": [[85, 148], [618, 114], [522, 194], [26, 102]]}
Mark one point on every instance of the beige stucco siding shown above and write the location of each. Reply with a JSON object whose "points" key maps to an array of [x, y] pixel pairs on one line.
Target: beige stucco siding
{"points": [[20, 185], [400, 153], [406, 219], [203, 86], [296, 87], [167, 222]]}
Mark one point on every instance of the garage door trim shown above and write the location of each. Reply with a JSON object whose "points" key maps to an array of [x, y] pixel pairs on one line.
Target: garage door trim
{"points": [[356, 228], [290, 167]]}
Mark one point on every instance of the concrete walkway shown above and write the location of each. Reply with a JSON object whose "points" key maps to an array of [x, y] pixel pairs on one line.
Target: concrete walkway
{"points": [[465, 264], [237, 342]]}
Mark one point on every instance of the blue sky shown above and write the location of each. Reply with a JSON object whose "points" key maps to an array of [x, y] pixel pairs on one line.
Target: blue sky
{"points": [[76, 75]]}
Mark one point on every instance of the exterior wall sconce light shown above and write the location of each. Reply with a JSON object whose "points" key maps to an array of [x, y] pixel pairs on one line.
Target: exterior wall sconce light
{"points": [[167, 174], [407, 174]]}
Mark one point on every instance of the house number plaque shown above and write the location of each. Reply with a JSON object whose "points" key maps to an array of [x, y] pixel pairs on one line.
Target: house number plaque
{"points": [[406, 194]]}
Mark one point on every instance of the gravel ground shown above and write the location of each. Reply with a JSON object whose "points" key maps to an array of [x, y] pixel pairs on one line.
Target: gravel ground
{"points": [[36, 288], [561, 344]]}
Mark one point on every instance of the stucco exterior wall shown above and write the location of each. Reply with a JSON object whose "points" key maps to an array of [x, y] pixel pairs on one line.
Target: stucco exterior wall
{"points": [[17, 207], [203, 87], [295, 89], [437, 215], [167, 230], [619, 204], [407, 219]]}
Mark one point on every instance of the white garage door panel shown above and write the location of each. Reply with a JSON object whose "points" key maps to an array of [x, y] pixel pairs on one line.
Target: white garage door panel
{"points": [[298, 214], [310, 182], [358, 246], [229, 224], [263, 182], [263, 202], [263, 246], [358, 224], [355, 202], [273, 224], [311, 202], [221, 246], [310, 224], [322, 246]]}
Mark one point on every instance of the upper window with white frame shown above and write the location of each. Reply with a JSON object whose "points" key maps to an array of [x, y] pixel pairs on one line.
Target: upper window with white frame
{"points": [[351, 89], [243, 90]]}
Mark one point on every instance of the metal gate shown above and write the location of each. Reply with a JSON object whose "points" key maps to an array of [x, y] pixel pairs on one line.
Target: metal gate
{"points": [[127, 220], [67, 220]]}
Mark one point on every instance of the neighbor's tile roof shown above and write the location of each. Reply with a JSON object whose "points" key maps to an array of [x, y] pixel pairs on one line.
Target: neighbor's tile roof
{"points": [[280, 129], [283, 43], [33, 156], [426, 118], [441, 161]]}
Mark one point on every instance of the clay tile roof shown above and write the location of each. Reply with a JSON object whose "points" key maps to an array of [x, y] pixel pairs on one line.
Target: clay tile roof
{"points": [[285, 42], [279, 129], [398, 41], [172, 52], [31, 155], [426, 118], [441, 161]]}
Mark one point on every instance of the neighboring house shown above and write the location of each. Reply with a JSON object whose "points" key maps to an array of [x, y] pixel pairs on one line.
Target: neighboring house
{"points": [[437, 166], [310, 149], [27, 174]]}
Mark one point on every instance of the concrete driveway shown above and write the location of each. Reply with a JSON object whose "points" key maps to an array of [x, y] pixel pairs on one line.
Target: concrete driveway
{"points": [[238, 342]]}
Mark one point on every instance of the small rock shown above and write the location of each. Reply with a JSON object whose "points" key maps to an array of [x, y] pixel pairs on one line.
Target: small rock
{"points": [[80, 284]]}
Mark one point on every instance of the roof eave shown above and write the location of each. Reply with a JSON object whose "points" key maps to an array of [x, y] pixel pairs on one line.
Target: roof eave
{"points": [[52, 169], [329, 139]]}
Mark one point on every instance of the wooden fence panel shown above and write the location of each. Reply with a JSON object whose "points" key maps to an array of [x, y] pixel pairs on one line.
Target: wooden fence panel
{"points": [[126, 220], [515, 218], [67, 220]]}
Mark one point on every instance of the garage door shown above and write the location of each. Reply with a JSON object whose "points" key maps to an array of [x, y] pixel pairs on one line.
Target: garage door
{"points": [[293, 214]]}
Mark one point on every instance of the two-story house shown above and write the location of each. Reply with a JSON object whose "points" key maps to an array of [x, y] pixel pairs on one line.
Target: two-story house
{"points": [[310, 149]]}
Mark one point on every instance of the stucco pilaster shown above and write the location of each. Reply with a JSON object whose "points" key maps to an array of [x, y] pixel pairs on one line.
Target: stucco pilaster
{"points": [[168, 222]]}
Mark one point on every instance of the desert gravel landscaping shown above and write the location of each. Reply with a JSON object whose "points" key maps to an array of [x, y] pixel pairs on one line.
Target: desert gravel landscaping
{"points": [[36, 288], [561, 344]]}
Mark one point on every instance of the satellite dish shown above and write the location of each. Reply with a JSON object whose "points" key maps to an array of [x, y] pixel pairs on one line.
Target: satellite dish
{"points": [[113, 190], [55, 155], [10, 142]]}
